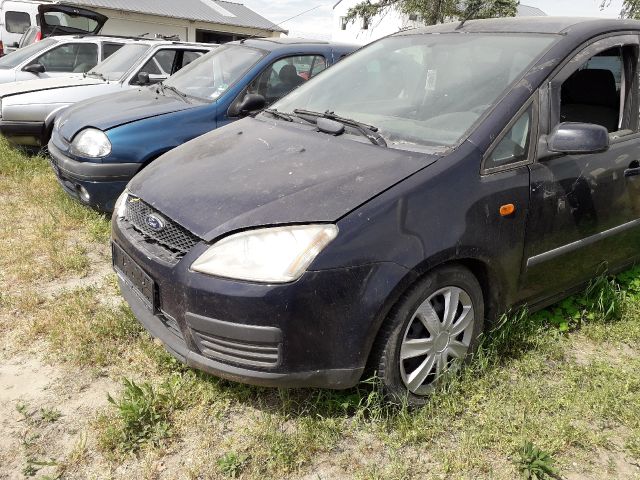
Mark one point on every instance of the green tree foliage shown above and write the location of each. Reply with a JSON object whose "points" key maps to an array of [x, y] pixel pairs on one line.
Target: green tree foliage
{"points": [[630, 8], [435, 11]]}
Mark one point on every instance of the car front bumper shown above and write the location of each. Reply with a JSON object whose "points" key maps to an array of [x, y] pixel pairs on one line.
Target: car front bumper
{"points": [[97, 185], [316, 332], [29, 134]]}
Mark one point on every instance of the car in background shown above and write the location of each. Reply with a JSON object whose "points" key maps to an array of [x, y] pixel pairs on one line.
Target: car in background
{"points": [[371, 221], [66, 56], [98, 145], [28, 109], [25, 22]]}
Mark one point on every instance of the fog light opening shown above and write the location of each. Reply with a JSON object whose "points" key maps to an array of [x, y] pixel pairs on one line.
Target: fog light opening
{"points": [[83, 193]]}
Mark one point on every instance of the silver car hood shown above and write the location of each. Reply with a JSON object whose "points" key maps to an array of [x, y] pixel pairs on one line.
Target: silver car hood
{"points": [[17, 88]]}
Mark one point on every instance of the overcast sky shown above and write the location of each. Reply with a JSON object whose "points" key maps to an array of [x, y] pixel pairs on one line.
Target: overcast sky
{"points": [[319, 20]]}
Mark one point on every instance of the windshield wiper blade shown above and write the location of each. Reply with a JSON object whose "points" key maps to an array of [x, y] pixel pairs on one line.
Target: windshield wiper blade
{"points": [[369, 131], [282, 116], [184, 96]]}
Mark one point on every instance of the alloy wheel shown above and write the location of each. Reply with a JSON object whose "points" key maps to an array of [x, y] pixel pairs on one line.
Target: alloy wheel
{"points": [[437, 338]]}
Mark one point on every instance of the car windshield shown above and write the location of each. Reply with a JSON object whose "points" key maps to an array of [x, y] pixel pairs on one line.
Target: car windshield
{"points": [[211, 75], [425, 90], [114, 67], [14, 59]]}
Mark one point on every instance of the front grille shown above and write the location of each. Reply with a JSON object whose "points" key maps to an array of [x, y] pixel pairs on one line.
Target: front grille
{"points": [[241, 353], [173, 237]]}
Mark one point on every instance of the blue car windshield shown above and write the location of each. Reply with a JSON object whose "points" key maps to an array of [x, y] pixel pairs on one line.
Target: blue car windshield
{"points": [[209, 77], [421, 89]]}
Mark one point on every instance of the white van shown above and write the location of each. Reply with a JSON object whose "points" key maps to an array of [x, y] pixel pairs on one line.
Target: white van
{"points": [[16, 16]]}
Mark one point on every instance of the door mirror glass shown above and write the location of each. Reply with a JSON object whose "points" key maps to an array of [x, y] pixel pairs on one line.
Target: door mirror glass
{"points": [[143, 78], [578, 138], [35, 68]]}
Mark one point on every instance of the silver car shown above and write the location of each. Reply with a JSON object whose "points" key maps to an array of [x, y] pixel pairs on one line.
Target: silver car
{"points": [[28, 109]]}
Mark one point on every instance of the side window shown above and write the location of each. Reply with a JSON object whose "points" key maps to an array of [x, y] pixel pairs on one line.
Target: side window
{"points": [[109, 49], [285, 75], [71, 57], [600, 92], [159, 66], [514, 146], [319, 64], [189, 57], [17, 22]]}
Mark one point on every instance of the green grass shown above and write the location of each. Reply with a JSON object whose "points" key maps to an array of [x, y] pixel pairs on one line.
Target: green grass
{"points": [[556, 391]]}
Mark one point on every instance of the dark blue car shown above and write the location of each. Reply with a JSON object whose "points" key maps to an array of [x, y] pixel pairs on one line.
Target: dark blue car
{"points": [[99, 145]]}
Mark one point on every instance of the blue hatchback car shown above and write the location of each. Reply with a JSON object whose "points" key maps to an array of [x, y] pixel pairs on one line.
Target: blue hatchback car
{"points": [[97, 146]]}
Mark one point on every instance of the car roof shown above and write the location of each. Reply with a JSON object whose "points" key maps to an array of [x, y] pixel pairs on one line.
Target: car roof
{"points": [[275, 43], [148, 41], [540, 25]]}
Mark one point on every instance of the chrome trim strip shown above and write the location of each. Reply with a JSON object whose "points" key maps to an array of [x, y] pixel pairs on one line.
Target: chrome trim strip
{"points": [[551, 254]]}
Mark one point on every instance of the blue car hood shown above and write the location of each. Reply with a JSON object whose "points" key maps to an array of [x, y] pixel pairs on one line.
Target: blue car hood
{"points": [[257, 173], [110, 111]]}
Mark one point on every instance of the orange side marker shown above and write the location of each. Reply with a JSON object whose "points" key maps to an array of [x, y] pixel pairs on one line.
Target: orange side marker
{"points": [[507, 210]]}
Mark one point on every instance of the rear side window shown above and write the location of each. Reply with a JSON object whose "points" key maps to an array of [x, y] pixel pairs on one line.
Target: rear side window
{"points": [[17, 22], [109, 49], [514, 146], [71, 57]]}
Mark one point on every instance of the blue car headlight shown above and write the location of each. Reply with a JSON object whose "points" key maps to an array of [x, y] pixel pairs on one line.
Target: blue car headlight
{"points": [[91, 143]]}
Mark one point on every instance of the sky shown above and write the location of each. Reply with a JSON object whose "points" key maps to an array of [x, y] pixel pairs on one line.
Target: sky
{"points": [[319, 20]]}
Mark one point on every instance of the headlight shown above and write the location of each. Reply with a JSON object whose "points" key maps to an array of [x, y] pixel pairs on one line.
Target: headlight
{"points": [[120, 207], [92, 143], [270, 255]]}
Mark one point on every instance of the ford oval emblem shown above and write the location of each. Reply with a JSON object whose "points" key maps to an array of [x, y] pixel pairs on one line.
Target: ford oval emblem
{"points": [[155, 223]]}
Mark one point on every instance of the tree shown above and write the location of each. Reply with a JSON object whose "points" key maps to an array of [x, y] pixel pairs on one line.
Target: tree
{"points": [[630, 8], [435, 11]]}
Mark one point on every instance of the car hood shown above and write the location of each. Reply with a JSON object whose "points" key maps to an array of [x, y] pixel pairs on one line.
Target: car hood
{"points": [[111, 111], [29, 86], [257, 173]]}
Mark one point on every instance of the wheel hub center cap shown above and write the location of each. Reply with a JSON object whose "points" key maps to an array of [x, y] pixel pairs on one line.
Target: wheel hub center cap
{"points": [[442, 342]]}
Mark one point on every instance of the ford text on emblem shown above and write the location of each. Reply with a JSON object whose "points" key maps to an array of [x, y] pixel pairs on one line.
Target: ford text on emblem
{"points": [[156, 224]]}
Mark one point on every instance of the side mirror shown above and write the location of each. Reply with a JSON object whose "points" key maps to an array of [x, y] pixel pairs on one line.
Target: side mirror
{"points": [[578, 139], [15, 45], [143, 78], [35, 68], [251, 103]]}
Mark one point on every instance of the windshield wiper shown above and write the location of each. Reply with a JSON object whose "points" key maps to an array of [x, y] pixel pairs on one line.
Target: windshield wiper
{"points": [[282, 116], [184, 96], [369, 131], [96, 74]]}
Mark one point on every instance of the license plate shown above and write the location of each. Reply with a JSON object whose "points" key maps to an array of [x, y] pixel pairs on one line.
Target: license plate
{"points": [[134, 276]]}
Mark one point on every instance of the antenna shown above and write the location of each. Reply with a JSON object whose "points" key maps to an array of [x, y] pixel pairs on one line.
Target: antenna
{"points": [[471, 12]]}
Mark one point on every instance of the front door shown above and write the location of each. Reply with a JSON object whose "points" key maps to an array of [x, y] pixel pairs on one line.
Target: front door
{"points": [[584, 208]]}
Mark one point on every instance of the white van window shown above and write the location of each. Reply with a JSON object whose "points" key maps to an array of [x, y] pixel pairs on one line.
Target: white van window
{"points": [[17, 22]]}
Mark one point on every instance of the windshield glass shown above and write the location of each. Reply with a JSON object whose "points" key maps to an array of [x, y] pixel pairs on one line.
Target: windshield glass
{"points": [[421, 89], [211, 75], [14, 59], [114, 67]]}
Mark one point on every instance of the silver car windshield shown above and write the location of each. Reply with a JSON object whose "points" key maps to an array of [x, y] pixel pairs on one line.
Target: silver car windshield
{"points": [[425, 90], [15, 58], [114, 67], [209, 77]]}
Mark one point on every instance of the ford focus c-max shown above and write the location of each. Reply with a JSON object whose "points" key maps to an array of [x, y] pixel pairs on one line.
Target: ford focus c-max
{"points": [[375, 217]]}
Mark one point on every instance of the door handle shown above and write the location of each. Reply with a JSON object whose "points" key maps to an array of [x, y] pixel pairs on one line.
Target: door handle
{"points": [[633, 170]]}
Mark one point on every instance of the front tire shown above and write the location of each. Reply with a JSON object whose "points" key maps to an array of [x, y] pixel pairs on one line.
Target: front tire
{"points": [[435, 326]]}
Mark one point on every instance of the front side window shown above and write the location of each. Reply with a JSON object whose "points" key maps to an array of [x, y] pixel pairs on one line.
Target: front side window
{"points": [[17, 22], [285, 75], [209, 77], [514, 146], [16, 58], [160, 65], [71, 57], [422, 90], [600, 92], [109, 49]]}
